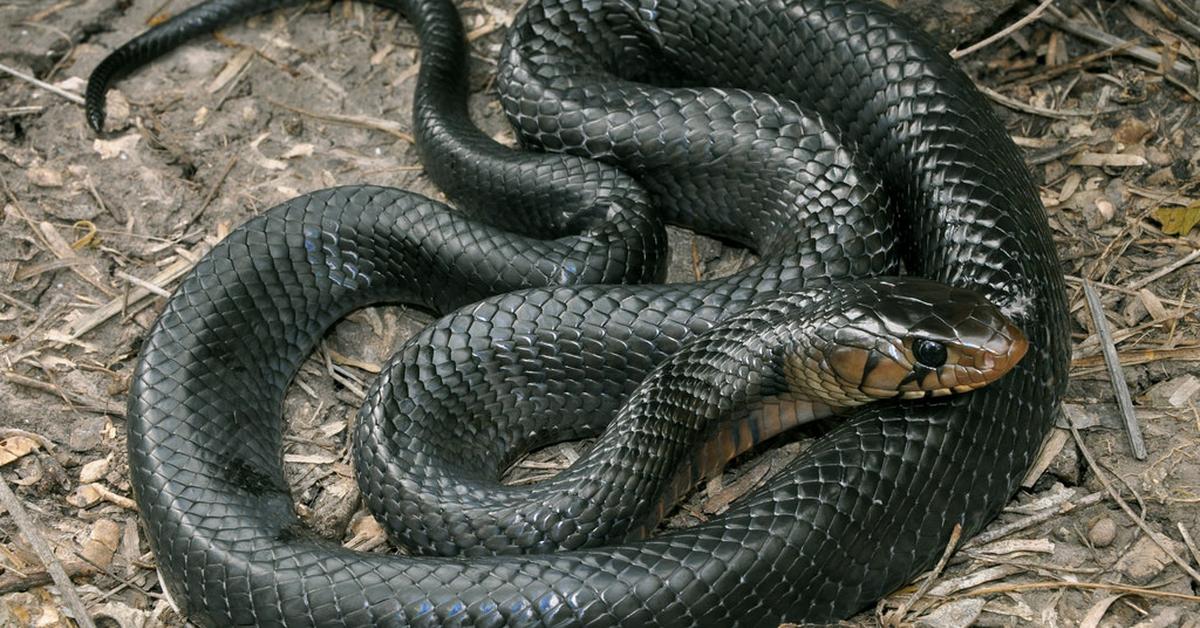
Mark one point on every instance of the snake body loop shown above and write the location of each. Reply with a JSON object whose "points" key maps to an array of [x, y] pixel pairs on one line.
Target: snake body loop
{"points": [[890, 158]]}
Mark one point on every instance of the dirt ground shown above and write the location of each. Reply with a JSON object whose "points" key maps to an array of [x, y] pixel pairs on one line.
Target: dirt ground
{"points": [[1102, 95]]}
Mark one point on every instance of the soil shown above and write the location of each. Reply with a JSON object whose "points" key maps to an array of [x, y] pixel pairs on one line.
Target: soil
{"points": [[96, 230]]}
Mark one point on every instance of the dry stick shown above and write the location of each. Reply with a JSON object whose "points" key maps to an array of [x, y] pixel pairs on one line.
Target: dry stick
{"points": [[208, 197], [1033, 15], [1032, 520], [387, 126], [1158, 539], [1165, 270], [75, 98], [66, 588], [1123, 290], [1187, 540], [896, 616], [1114, 372], [1141, 53], [1101, 586], [1058, 114], [77, 401], [1077, 63], [1175, 20]]}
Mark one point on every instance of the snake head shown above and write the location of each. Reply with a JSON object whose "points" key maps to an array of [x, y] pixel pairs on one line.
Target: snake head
{"points": [[909, 338]]}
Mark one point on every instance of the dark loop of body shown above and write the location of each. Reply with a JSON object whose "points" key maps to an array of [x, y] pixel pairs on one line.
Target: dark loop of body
{"points": [[901, 163]]}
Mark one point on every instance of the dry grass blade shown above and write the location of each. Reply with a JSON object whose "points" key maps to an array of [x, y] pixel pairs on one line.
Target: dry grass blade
{"points": [[1012, 28], [1032, 520], [390, 127], [895, 617], [75, 98]]}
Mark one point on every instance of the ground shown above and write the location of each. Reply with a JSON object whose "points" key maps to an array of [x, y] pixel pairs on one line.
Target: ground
{"points": [[95, 231]]}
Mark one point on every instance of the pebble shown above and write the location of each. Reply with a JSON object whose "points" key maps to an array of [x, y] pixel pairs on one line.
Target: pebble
{"points": [[1103, 532]]}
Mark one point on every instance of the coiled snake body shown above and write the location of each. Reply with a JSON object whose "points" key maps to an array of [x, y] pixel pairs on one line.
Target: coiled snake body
{"points": [[892, 158]]}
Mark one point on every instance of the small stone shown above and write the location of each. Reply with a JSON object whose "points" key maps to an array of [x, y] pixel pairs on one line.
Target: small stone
{"points": [[1162, 176], [1159, 157], [88, 434], [334, 507], [1099, 213], [1131, 131], [1103, 532], [44, 177], [94, 471]]}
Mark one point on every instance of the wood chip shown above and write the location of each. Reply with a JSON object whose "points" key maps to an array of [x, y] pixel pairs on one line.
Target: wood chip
{"points": [[1112, 160], [236, 64]]}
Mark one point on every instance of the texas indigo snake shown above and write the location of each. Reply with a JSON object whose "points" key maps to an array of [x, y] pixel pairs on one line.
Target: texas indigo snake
{"points": [[941, 189]]}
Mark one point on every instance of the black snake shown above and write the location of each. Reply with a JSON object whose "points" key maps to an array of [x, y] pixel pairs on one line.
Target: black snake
{"points": [[891, 158]]}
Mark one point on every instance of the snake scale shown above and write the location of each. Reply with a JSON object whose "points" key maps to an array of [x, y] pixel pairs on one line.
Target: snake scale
{"points": [[828, 136]]}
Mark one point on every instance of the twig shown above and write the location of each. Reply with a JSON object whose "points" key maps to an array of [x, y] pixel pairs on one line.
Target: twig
{"points": [[1101, 586], [387, 126], [208, 197], [1141, 523], [1032, 520], [1140, 53], [90, 321], [896, 616], [1165, 270], [75, 98], [1058, 114], [1074, 64], [1144, 356], [1120, 387], [1175, 20], [1187, 540], [24, 582], [77, 401], [1033, 15], [138, 281], [66, 588], [1073, 279]]}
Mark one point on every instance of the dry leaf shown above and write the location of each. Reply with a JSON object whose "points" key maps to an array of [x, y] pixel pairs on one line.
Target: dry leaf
{"points": [[44, 177], [85, 495], [1097, 611], [114, 148], [14, 448], [94, 471], [1177, 220], [102, 543]]}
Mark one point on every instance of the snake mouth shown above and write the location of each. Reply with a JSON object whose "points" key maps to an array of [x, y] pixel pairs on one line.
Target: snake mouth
{"points": [[976, 365]]}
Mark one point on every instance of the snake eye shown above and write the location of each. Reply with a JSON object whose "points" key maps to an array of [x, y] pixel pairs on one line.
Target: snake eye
{"points": [[930, 353]]}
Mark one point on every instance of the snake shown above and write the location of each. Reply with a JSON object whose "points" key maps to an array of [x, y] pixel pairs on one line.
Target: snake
{"points": [[906, 292]]}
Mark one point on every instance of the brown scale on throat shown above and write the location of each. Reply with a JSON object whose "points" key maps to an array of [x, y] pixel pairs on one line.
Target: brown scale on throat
{"points": [[768, 418]]}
